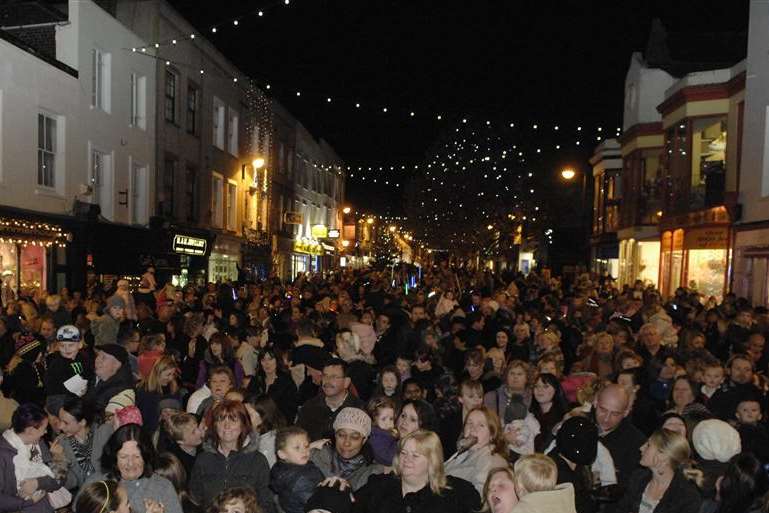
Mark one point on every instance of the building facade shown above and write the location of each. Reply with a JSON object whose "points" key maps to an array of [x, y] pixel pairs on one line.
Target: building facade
{"points": [[751, 233], [77, 143], [212, 129], [607, 198]]}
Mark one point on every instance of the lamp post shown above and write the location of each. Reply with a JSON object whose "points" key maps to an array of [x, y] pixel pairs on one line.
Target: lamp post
{"points": [[569, 175]]}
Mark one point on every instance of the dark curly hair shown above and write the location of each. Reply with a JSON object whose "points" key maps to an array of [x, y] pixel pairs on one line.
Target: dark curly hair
{"points": [[128, 433]]}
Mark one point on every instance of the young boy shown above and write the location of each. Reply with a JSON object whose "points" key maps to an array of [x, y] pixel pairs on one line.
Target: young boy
{"points": [[293, 477], [754, 435], [712, 377], [68, 369]]}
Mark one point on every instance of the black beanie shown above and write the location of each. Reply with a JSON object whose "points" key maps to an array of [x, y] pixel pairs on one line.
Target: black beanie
{"points": [[577, 440], [330, 498]]}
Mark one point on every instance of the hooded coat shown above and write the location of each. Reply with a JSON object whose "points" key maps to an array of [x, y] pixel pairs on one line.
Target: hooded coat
{"points": [[558, 500], [214, 472]]}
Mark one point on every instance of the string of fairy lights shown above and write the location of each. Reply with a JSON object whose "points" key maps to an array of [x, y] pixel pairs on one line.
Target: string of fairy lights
{"points": [[496, 174]]}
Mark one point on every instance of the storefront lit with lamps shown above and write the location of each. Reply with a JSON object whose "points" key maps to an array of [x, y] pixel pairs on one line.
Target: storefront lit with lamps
{"points": [[28, 254]]}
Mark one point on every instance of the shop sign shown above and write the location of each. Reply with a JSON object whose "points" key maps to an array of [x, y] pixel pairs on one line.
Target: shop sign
{"points": [[308, 246], [333, 234], [189, 245], [293, 218], [319, 231], [707, 238]]}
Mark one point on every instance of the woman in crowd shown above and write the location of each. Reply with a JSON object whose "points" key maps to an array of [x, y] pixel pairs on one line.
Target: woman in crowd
{"points": [[549, 406], [195, 347], [415, 415], [219, 353], [130, 458], [105, 497], [230, 457], [743, 488], [266, 419], [661, 485], [499, 491], [482, 433], [27, 483], [359, 364], [161, 383], [683, 393], [419, 483], [273, 379], [600, 358], [515, 382], [80, 445]]}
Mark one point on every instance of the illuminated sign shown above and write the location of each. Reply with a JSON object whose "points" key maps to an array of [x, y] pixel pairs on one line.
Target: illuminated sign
{"points": [[333, 234], [319, 231], [189, 245]]}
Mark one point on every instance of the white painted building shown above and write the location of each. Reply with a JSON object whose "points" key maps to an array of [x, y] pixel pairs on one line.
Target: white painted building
{"points": [[751, 239], [75, 128]]}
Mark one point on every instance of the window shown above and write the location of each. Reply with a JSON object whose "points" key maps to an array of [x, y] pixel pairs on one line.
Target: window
{"points": [[218, 122], [166, 196], [100, 80], [232, 205], [138, 207], [101, 181], [138, 101], [217, 201], [190, 193], [192, 109], [46, 151], [232, 132], [170, 106]]}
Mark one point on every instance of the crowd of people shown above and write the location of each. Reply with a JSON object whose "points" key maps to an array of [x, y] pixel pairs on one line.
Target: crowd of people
{"points": [[347, 391]]}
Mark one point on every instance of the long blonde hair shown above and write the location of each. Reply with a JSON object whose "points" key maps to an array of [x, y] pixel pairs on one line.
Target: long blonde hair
{"points": [[152, 382], [429, 445]]}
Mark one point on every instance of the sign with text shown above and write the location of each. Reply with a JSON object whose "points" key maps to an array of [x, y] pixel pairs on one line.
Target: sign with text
{"points": [[293, 218], [333, 234], [319, 231], [189, 245], [707, 238]]}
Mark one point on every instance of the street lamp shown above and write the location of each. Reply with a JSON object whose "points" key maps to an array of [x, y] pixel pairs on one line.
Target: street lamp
{"points": [[370, 220], [568, 173], [258, 163], [392, 228], [346, 210]]}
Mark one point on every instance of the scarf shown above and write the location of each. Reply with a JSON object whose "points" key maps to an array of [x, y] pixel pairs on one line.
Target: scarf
{"points": [[344, 468], [83, 453]]}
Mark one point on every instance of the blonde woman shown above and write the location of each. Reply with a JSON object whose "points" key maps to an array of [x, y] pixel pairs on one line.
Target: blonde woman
{"points": [[160, 386], [419, 483], [516, 381], [499, 491], [488, 449], [661, 486]]}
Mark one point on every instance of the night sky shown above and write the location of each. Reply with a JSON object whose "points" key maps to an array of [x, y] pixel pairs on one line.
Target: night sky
{"points": [[548, 62]]}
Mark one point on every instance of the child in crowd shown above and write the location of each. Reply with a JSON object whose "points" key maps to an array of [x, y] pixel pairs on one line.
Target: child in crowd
{"points": [[713, 377], [294, 477], [236, 500], [68, 369], [384, 437], [754, 434], [153, 347]]}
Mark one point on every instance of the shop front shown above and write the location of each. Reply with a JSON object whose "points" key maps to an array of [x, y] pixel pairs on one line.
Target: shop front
{"points": [[639, 255], [306, 256], [192, 246], [225, 259], [29, 254], [697, 258], [751, 263]]}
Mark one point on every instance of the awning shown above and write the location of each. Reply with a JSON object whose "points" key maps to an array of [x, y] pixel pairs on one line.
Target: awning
{"points": [[755, 252]]}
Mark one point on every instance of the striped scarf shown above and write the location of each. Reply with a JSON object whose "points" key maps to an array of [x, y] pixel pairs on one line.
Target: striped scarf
{"points": [[83, 452]]}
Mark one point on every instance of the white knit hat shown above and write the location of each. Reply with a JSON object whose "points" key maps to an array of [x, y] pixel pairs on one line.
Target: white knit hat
{"points": [[714, 439], [354, 419]]}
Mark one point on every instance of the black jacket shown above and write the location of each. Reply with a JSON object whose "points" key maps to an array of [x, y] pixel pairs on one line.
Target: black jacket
{"points": [[294, 484], [624, 444], [213, 473], [100, 393], [681, 496], [383, 494], [317, 419], [283, 392]]}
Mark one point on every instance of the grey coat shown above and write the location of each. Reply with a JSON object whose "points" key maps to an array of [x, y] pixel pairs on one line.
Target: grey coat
{"points": [[9, 499], [324, 460], [154, 487], [76, 476]]}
